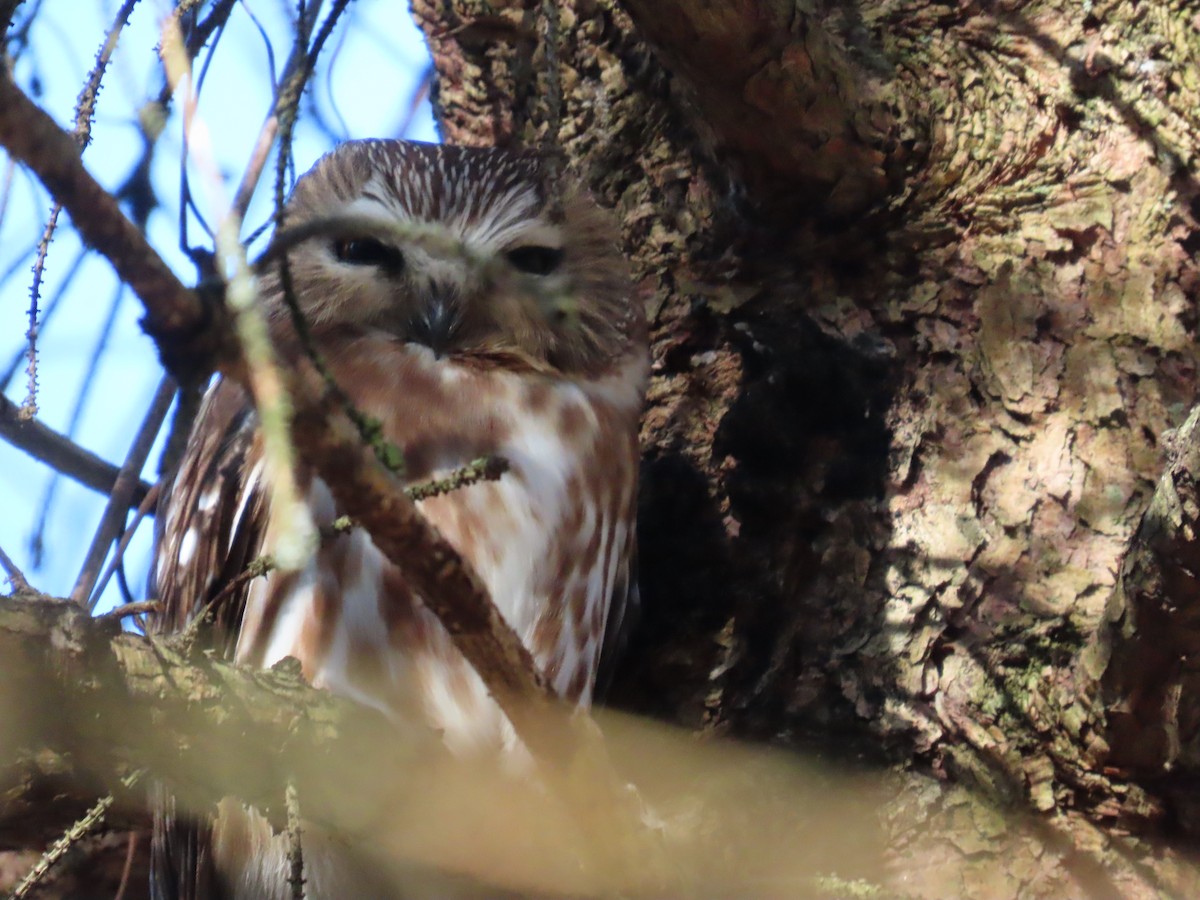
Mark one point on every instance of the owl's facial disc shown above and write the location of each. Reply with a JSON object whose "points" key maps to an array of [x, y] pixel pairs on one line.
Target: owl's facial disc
{"points": [[419, 308]]}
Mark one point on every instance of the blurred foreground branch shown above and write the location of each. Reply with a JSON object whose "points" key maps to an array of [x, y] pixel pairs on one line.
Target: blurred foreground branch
{"points": [[84, 704]]}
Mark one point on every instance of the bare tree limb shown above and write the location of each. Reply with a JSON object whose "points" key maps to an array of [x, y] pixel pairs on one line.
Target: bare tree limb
{"points": [[85, 705], [15, 576], [112, 520], [179, 319], [98, 703], [60, 453]]}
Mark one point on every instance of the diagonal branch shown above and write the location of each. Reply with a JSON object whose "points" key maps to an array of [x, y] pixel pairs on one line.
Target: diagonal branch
{"points": [[112, 520], [183, 324], [60, 453]]}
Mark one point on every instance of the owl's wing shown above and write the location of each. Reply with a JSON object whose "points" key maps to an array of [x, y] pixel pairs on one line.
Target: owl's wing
{"points": [[624, 611], [210, 519], [208, 527]]}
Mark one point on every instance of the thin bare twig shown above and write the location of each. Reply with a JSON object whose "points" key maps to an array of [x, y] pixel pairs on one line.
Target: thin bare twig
{"points": [[419, 95], [487, 468], [258, 161], [85, 104], [15, 576], [48, 311], [127, 870], [113, 518], [137, 608], [86, 384], [73, 836], [296, 72], [288, 111], [298, 535], [60, 453], [29, 406], [177, 317], [186, 410], [17, 262], [85, 107], [198, 36], [143, 510]]}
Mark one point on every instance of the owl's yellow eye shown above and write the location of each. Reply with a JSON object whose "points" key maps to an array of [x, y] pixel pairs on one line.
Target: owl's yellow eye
{"points": [[367, 251], [534, 260]]}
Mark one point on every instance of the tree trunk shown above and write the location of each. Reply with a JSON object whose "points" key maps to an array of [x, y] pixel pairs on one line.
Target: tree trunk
{"points": [[922, 286]]}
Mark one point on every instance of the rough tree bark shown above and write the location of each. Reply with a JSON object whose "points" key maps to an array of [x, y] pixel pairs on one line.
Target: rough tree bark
{"points": [[922, 278]]}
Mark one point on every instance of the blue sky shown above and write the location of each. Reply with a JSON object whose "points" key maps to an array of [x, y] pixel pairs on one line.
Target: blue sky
{"points": [[370, 71]]}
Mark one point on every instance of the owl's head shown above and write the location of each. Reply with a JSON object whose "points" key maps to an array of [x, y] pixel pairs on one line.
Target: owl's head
{"points": [[469, 251]]}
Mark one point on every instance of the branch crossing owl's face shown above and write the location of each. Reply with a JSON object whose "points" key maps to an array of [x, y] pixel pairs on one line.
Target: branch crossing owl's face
{"points": [[468, 251]]}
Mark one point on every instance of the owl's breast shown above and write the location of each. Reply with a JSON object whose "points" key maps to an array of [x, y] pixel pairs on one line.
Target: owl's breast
{"points": [[551, 539]]}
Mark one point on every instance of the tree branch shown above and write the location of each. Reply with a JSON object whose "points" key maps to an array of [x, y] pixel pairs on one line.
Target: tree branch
{"points": [[183, 325], [61, 453], [85, 704], [112, 520]]}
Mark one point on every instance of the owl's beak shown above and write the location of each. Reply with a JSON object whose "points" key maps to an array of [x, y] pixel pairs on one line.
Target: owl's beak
{"points": [[437, 323]]}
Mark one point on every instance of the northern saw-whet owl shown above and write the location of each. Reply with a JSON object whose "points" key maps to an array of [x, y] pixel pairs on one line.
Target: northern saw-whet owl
{"points": [[455, 365]]}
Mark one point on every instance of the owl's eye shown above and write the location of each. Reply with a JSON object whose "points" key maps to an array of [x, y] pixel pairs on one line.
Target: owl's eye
{"points": [[534, 260], [366, 251]]}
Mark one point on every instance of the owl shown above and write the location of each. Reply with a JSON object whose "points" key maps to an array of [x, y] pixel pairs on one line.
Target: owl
{"points": [[537, 357]]}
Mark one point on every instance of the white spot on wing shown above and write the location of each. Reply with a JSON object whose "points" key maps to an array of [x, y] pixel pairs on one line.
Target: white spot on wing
{"points": [[247, 492], [295, 606], [187, 547]]}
